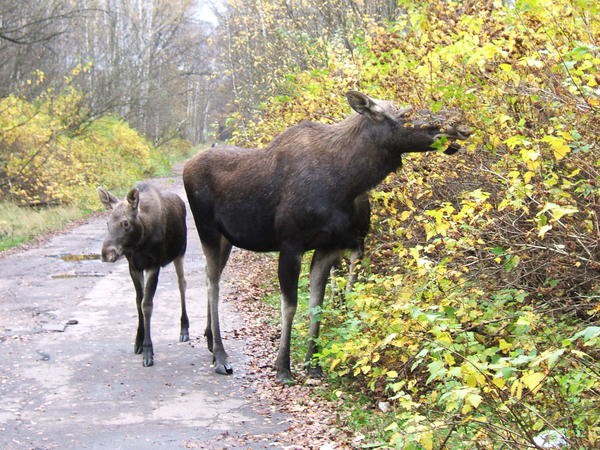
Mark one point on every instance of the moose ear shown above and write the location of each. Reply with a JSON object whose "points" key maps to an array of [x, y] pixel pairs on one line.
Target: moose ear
{"points": [[365, 105], [133, 198], [108, 200]]}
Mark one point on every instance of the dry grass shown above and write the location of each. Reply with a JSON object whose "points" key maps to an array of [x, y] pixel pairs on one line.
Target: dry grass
{"points": [[21, 224]]}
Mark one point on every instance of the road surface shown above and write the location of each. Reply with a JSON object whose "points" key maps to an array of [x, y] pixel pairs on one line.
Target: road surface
{"points": [[69, 378]]}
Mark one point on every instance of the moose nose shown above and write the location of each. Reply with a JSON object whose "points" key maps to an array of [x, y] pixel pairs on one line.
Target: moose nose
{"points": [[109, 254], [464, 132], [452, 149]]}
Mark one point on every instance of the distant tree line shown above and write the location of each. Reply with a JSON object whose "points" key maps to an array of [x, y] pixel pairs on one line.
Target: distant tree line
{"points": [[147, 58], [163, 69]]}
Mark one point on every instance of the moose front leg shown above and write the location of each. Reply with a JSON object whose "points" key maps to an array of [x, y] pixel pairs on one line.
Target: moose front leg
{"points": [[137, 276], [147, 306], [320, 268], [288, 271]]}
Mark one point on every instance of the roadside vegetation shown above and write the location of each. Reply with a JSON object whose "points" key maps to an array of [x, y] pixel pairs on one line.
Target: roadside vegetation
{"points": [[55, 157], [476, 323], [476, 319]]}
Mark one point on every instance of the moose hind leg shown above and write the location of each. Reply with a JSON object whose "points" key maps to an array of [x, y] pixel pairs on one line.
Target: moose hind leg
{"points": [[137, 276], [147, 306], [289, 271], [355, 256], [322, 262], [184, 334], [216, 258]]}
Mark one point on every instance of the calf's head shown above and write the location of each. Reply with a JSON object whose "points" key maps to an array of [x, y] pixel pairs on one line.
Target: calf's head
{"points": [[124, 226], [408, 130]]}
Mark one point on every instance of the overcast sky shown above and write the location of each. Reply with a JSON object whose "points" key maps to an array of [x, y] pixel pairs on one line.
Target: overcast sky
{"points": [[205, 10]]}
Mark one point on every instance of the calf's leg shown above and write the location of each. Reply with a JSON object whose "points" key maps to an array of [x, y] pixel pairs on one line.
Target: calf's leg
{"points": [[184, 334], [288, 271], [137, 276], [147, 305]]}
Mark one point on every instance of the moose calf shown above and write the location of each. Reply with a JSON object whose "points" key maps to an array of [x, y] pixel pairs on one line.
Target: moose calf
{"points": [[149, 228]]}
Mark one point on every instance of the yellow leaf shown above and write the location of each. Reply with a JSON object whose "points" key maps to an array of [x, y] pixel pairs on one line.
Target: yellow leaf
{"points": [[503, 345], [558, 145], [528, 176], [405, 215], [472, 401], [530, 155], [444, 338], [449, 358], [558, 211], [499, 382], [533, 380], [516, 390], [426, 440], [334, 363]]}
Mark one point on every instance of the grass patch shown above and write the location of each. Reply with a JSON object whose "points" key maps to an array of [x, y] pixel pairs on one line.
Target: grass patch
{"points": [[21, 224]]}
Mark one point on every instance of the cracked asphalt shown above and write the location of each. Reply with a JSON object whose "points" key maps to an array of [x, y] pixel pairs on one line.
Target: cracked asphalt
{"points": [[69, 378]]}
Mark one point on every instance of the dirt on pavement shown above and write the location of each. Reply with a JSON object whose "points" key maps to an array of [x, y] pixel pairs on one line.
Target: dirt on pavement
{"points": [[69, 378]]}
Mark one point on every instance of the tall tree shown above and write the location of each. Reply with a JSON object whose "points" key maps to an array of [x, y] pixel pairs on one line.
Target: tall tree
{"points": [[263, 41], [145, 56]]}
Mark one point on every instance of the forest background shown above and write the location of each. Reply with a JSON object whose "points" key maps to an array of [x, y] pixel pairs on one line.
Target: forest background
{"points": [[476, 318]]}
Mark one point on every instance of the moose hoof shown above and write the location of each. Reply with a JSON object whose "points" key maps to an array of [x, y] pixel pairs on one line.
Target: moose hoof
{"points": [[285, 377], [315, 372], [137, 349], [224, 369], [184, 337], [148, 356], [148, 361]]}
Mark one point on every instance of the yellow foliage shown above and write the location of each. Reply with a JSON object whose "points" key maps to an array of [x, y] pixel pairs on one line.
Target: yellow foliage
{"points": [[482, 260], [47, 159]]}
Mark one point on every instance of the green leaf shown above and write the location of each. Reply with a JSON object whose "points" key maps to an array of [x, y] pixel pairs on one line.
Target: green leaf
{"points": [[588, 334]]}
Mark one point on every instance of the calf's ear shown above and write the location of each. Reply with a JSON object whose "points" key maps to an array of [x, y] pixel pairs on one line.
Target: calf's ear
{"points": [[365, 105], [133, 198], [107, 199]]}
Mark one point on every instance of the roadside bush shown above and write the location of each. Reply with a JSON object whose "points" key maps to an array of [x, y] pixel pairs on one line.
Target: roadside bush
{"points": [[51, 153], [478, 319], [49, 159]]}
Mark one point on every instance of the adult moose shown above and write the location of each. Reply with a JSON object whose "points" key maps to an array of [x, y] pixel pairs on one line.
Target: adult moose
{"points": [[300, 193], [149, 228]]}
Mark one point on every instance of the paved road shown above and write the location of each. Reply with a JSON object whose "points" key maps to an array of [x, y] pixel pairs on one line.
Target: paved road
{"points": [[68, 375]]}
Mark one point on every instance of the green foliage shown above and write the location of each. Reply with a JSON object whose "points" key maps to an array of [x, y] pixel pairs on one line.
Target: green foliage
{"points": [[478, 321]]}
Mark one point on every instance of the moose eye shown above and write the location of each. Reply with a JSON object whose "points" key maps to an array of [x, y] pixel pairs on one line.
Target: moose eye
{"points": [[125, 224]]}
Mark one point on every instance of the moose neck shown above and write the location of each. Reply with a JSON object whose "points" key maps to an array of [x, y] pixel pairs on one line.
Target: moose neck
{"points": [[364, 160]]}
